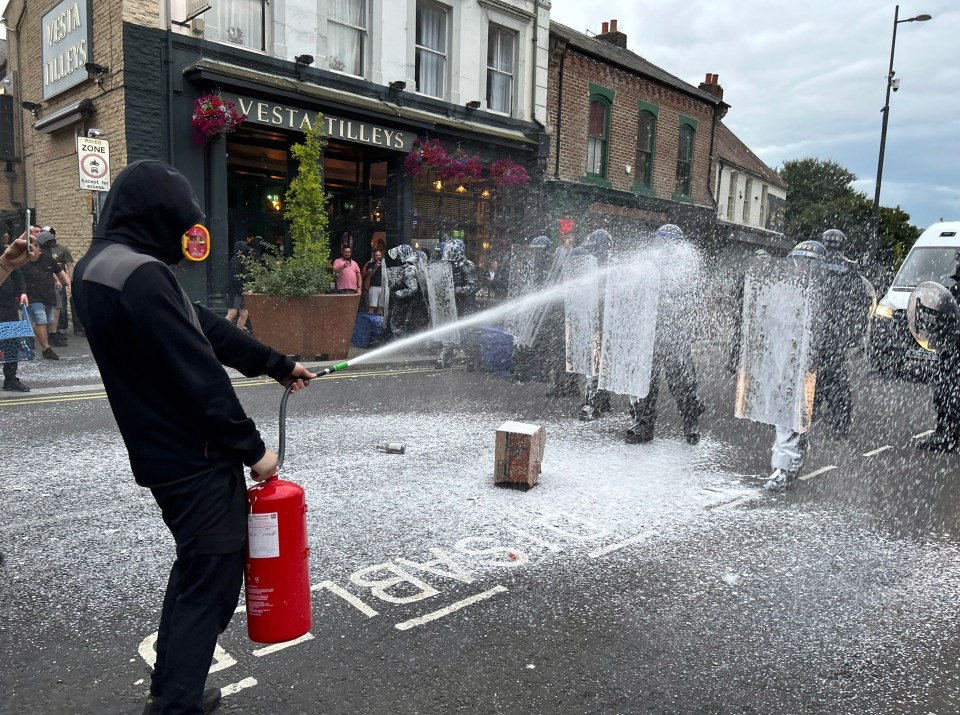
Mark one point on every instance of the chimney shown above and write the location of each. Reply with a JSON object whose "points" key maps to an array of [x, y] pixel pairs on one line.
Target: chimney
{"points": [[611, 35], [711, 85]]}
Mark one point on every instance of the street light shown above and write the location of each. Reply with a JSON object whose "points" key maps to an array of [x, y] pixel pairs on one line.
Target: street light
{"points": [[893, 84]]}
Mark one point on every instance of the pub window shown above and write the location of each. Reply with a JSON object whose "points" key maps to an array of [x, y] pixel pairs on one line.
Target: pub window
{"points": [[501, 58], [646, 134], [688, 132], [237, 22], [431, 49], [747, 191], [598, 137], [732, 197], [347, 35]]}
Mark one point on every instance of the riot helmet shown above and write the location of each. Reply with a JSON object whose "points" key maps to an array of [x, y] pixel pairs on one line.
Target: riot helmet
{"points": [[670, 231], [541, 242], [809, 249], [404, 253], [420, 257], [761, 253], [933, 316], [454, 251], [833, 239], [597, 244]]}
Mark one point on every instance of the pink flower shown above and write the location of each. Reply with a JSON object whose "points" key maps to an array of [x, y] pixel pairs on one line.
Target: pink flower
{"points": [[212, 115]]}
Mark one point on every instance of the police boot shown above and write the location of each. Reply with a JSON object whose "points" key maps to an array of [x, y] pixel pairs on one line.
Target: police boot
{"points": [[589, 412], [640, 431], [691, 429]]}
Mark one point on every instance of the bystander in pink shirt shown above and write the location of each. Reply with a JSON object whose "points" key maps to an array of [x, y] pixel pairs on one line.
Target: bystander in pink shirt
{"points": [[348, 274]]}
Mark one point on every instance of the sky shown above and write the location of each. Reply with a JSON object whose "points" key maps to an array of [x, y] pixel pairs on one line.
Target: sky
{"points": [[808, 78]]}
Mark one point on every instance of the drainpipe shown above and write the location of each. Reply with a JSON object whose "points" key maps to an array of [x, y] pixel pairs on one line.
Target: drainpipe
{"points": [[19, 96], [556, 158], [533, 68], [169, 12]]}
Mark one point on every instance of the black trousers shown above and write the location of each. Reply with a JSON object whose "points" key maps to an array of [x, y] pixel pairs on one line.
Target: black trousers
{"points": [[946, 395], [682, 383], [208, 519], [833, 401]]}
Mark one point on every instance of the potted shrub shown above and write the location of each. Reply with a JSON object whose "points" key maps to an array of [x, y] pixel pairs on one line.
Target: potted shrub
{"points": [[287, 295]]}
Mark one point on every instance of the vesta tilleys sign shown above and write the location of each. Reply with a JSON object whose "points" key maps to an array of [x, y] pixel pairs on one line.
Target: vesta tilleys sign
{"points": [[65, 38]]}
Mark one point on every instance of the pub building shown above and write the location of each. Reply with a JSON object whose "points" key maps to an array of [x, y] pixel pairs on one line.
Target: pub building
{"points": [[381, 74], [370, 130]]}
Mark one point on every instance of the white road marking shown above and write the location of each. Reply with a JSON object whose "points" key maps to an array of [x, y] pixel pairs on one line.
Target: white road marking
{"points": [[413, 622], [139, 682], [621, 544], [346, 596], [923, 434], [756, 494], [874, 452], [237, 687], [260, 652], [818, 472]]}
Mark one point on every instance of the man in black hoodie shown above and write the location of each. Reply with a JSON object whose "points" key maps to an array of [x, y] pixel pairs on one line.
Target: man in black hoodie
{"points": [[184, 428]]}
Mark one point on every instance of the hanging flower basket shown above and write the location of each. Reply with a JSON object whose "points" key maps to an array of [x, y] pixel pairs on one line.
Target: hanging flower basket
{"points": [[212, 115], [507, 175], [429, 153]]}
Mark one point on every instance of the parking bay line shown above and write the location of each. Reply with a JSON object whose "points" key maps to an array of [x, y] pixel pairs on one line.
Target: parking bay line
{"points": [[756, 494], [237, 687], [923, 434], [621, 544], [878, 450], [818, 472], [260, 652], [414, 622]]}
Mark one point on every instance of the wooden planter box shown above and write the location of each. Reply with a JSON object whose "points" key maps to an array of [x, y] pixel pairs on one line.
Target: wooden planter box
{"points": [[317, 327]]}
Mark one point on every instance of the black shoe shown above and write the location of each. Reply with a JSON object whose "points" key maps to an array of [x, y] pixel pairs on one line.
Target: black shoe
{"points": [[209, 702], [13, 384], [692, 437], [57, 340], [50, 355], [639, 433]]}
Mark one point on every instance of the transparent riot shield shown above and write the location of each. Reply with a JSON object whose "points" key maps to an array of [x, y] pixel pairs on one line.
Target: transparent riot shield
{"points": [[629, 328], [581, 302], [441, 299], [526, 277], [388, 282], [781, 309], [933, 317]]}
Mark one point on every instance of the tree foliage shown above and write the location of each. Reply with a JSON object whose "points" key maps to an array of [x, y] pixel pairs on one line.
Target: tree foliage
{"points": [[307, 270], [821, 196]]}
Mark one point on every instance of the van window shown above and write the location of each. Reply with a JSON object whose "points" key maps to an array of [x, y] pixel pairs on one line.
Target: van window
{"points": [[927, 264]]}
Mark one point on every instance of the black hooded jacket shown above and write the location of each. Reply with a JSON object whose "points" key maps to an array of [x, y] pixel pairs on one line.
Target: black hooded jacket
{"points": [[159, 355]]}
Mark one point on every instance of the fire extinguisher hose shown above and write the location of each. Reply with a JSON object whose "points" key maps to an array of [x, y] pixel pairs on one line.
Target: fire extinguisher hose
{"points": [[283, 410]]}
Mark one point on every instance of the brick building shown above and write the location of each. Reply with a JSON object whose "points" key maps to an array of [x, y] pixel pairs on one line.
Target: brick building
{"points": [[383, 73], [631, 145]]}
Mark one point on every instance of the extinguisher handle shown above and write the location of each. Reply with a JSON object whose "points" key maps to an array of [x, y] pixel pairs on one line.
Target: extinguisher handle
{"points": [[283, 427]]}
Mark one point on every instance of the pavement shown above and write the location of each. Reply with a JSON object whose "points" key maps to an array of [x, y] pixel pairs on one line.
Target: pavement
{"points": [[77, 371]]}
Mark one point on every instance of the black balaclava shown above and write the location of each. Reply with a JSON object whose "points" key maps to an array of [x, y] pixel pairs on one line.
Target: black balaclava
{"points": [[149, 208]]}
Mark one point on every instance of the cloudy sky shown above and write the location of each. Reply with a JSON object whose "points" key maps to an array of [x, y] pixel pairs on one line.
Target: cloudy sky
{"points": [[807, 79]]}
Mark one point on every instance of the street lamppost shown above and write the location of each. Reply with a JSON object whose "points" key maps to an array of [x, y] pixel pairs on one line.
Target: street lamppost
{"points": [[893, 84]]}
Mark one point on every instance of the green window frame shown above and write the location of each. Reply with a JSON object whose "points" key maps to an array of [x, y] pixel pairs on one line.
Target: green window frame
{"points": [[647, 116], [686, 139], [598, 132]]}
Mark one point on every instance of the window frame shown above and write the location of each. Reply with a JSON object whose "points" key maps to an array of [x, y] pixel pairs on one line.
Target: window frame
{"points": [[644, 184], [747, 201], [732, 196], [501, 30], [265, 26], [605, 97], [364, 39], [417, 48], [687, 128]]}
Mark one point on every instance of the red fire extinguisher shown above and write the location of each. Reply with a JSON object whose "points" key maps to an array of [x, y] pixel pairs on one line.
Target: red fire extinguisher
{"points": [[277, 578]]}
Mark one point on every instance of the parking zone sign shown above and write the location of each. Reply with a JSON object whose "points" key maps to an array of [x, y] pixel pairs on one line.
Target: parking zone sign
{"points": [[94, 158]]}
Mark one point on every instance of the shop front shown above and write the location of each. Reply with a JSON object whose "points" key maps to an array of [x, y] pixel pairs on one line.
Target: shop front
{"points": [[375, 198]]}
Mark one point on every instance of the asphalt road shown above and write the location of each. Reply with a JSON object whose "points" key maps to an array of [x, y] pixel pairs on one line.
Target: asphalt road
{"points": [[651, 578]]}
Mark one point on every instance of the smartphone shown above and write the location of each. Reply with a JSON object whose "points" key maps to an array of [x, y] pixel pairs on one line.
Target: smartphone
{"points": [[28, 231]]}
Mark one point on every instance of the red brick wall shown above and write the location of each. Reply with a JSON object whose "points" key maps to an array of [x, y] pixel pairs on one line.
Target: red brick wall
{"points": [[578, 72]]}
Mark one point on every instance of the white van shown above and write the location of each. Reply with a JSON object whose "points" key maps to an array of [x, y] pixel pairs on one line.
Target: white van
{"points": [[933, 258]]}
